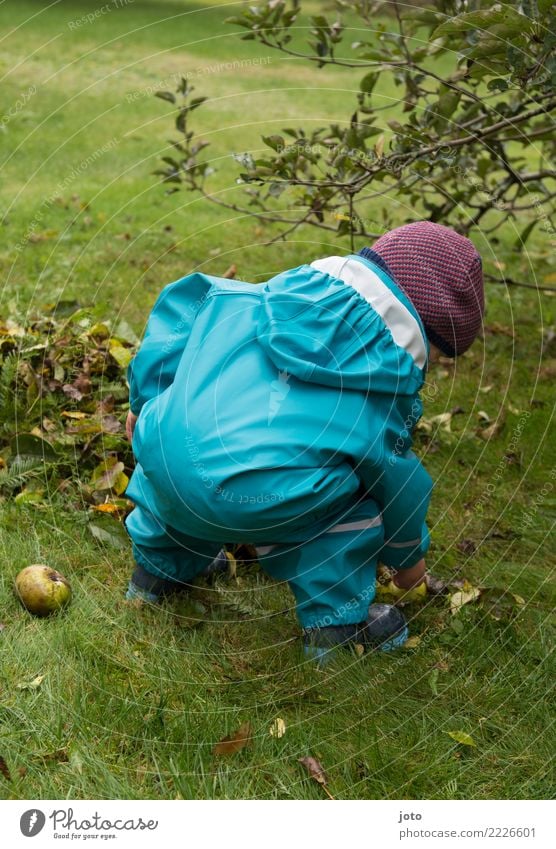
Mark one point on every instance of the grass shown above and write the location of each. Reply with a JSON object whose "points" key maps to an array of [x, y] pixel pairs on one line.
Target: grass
{"points": [[133, 700]]}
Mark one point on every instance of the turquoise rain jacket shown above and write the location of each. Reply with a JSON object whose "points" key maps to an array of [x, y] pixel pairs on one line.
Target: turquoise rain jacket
{"points": [[265, 409]]}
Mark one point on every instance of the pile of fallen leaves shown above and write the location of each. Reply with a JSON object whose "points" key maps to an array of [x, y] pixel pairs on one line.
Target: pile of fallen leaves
{"points": [[63, 402]]}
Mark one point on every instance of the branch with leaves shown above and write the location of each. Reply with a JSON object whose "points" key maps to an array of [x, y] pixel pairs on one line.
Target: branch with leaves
{"points": [[455, 152]]}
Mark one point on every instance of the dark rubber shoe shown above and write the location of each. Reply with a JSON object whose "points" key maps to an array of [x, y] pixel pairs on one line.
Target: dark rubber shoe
{"points": [[150, 588], [385, 629], [219, 565]]}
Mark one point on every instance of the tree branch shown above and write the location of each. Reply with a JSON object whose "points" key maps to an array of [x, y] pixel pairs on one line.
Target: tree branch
{"points": [[507, 281]]}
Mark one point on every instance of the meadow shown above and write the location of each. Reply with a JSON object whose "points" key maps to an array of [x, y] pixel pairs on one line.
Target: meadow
{"points": [[112, 700]]}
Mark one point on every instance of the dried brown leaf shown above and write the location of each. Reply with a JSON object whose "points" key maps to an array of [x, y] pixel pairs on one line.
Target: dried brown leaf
{"points": [[316, 771], [493, 430], [4, 769], [435, 586], [467, 547], [498, 329], [234, 742]]}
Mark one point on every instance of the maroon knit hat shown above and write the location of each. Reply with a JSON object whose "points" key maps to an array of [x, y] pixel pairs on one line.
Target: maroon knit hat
{"points": [[440, 271]]}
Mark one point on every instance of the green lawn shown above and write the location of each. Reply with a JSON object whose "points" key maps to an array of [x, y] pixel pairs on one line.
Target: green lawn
{"points": [[133, 700]]}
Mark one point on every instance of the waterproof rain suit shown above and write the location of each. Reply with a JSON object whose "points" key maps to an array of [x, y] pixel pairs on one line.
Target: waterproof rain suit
{"points": [[281, 414]]}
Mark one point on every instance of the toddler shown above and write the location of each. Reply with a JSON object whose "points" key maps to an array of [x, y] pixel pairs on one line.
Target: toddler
{"points": [[280, 414]]}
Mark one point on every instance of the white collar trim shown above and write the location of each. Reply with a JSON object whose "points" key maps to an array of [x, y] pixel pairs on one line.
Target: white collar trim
{"points": [[403, 326]]}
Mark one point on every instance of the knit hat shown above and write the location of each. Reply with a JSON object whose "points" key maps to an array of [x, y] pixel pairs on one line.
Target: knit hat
{"points": [[441, 273]]}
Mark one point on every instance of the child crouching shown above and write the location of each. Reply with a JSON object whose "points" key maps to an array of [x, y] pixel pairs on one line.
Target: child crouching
{"points": [[280, 414]]}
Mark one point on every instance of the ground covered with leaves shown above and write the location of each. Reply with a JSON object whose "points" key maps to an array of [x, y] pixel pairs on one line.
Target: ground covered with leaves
{"points": [[209, 695]]}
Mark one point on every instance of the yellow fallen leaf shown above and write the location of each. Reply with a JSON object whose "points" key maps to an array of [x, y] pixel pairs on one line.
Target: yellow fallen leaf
{"points": [[278, 728], [106, 508], [464, 596], [412, 642], [232, 564], [31, 685], [122, 355], [443, 420], [462, 737], [491, 431]]}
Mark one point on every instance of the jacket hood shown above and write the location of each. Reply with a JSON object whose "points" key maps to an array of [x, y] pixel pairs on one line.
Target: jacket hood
{"points": [[342, 322]]}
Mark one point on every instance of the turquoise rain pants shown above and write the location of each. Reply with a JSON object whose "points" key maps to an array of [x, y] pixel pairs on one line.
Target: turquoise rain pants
{"points": [[331, 572]]}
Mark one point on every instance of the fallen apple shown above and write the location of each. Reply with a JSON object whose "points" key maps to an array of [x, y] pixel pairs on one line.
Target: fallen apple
{"points": [[42, 590]]}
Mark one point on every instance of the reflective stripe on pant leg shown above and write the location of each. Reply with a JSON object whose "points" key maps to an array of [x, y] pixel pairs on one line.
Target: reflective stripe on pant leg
{"points": [[333, 575]]}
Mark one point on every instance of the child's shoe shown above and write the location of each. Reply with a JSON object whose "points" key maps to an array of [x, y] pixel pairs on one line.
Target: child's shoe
{"points": [[151, 589], [384, 629]]}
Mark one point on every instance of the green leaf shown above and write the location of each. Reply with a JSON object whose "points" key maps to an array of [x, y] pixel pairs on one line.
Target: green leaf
{"points": [[240, 22], [110, 475], [197, 101], [462, 737], [29, 496], [483, 19], [368, 82], [319, 21], [166, 95], [28, 445], [433, 681], [276, 142], [497, 84], [109, 532], [525, 233]]}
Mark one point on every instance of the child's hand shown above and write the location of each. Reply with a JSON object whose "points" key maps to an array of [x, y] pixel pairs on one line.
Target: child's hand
{"points": [[406, 585], [406, 579], [130, 425]]}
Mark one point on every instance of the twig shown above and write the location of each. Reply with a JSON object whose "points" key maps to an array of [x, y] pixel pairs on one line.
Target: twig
{"points": [[507, 281]]}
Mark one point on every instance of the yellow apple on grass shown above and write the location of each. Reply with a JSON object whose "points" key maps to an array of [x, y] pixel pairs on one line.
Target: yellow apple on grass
{"points": [[42, 590]]}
